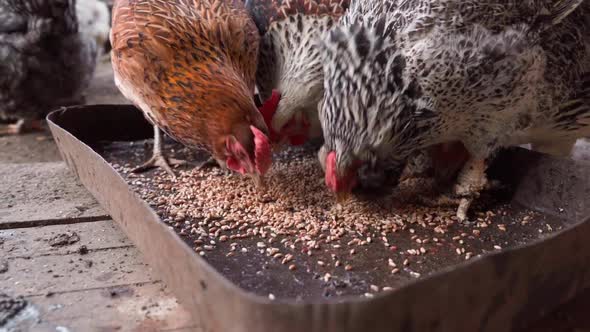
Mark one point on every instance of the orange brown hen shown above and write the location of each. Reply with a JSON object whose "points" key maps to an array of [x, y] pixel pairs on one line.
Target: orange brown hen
{"points": [[190, 66]]}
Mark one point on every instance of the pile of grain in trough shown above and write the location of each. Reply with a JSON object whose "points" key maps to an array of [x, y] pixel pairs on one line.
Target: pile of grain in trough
{"points": [[293, 238], [295, 211], [295, 202]]}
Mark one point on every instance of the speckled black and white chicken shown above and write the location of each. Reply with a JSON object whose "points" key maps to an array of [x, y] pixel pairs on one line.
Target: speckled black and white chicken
{"points": [[290, 67], [404, 75], [45, 62]]}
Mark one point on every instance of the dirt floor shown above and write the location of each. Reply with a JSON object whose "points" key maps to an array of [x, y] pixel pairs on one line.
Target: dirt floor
{"points": [[67, 267]]}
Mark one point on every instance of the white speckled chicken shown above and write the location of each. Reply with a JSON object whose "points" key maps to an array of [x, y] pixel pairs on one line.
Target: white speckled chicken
{"points": [[190, 67], [290, 67], [44, 61], [405, 75], [94, 20]]}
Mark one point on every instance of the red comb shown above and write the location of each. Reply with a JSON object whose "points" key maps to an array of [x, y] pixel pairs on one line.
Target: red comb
{"points": [[262, 151], [331, 177], [343, 183], [268, 110]]}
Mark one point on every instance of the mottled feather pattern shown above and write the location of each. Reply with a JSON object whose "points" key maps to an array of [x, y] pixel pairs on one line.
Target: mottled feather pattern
{"points": [[290, 60], [41, 50], [57, 16], [265, 12], [351, 114], [402, 75], [195, 61], [413, 18], [288, 51]]}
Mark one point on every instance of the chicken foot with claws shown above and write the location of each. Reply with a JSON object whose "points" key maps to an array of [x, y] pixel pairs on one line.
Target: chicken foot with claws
{"points": [[158, 159], [470, 182]]}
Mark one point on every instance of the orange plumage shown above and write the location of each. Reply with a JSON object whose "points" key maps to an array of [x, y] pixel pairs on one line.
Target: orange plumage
{"points": [[190, 66]]}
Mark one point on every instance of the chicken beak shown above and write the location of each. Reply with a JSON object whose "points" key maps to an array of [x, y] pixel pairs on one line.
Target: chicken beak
{"points": [[342, 197]]}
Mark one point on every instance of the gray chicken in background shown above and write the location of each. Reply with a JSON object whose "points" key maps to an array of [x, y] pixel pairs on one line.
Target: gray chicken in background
{"points": [[45, 62], [404, 75]]}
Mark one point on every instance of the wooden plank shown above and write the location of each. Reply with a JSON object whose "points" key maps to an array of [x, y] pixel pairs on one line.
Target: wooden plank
{"points": [[63, 273], [43, 193], [148, 307], [126, 308], [28, 148], [35, 241], [107, 289]]}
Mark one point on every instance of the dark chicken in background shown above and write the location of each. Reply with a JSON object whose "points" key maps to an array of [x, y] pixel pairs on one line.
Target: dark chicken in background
{"points": [[47, 58]]}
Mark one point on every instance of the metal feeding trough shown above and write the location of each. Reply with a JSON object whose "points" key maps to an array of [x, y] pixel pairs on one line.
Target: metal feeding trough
{"points": [[502, 290]]}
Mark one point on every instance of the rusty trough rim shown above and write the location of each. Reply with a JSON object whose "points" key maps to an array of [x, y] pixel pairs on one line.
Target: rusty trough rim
{"points": [[431, 298]]}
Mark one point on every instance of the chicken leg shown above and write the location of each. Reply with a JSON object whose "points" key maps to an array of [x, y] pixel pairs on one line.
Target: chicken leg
{"points": [[158, 159], [471, 181]]}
